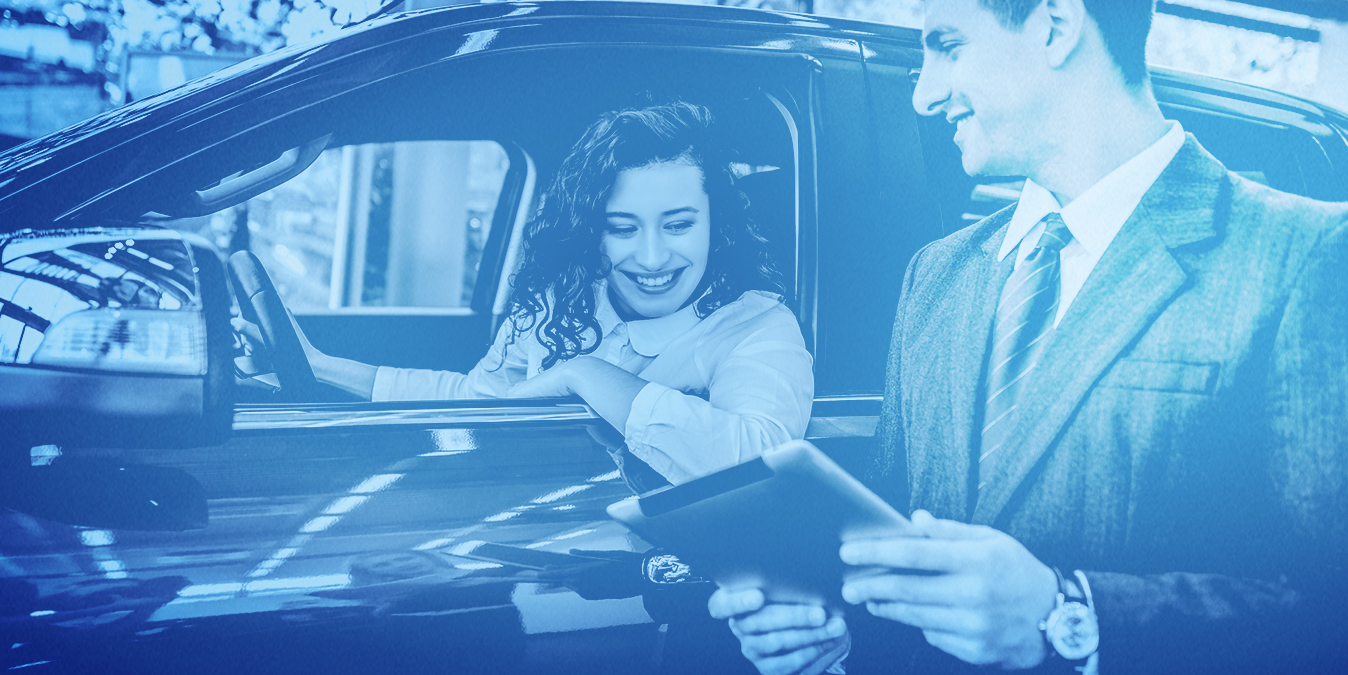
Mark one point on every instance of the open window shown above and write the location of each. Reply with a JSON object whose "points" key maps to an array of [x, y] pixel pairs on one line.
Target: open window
{"points": [[395, 244]]}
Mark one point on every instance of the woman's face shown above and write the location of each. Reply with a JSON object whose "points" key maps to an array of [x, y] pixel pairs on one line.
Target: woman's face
{"points": [[657, 237]]}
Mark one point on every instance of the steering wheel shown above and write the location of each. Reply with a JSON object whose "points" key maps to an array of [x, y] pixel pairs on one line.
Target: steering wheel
{"points": [[260, 304]]}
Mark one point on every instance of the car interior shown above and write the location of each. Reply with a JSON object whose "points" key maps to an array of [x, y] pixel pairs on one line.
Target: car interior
{"points": [[347, 207]]}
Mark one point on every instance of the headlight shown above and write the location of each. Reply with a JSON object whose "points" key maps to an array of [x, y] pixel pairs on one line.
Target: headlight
{"points": [[136, 340]]}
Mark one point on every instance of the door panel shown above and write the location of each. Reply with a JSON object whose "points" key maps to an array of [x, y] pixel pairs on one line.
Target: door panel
{"points": [[346, 547]]}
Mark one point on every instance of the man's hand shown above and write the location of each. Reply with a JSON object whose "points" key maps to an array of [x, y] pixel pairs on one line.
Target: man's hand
{"points": [[782, 639], [984, 603]]}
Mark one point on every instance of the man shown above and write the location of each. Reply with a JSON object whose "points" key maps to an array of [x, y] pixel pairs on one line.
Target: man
{"points": [[1136, 376]]}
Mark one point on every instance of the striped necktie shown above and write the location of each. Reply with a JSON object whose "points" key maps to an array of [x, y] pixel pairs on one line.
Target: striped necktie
{"points": [[1025, 315]]}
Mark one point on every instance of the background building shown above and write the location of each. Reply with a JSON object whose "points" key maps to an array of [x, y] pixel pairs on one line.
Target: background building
{"points": [[64, 60]]}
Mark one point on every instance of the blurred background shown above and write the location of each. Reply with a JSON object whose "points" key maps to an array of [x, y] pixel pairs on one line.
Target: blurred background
{"points": [[64, 60]]}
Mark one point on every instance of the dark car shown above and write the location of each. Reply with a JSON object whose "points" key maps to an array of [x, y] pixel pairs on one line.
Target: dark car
{"points": [[384, 176]]}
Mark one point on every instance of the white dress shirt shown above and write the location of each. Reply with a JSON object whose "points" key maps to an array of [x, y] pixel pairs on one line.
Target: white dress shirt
{"points": [[721, 389], [1094, 217]]}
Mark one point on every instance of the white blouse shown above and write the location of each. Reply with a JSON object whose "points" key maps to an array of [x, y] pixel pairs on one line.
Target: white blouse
{"points": [[722, 389]]}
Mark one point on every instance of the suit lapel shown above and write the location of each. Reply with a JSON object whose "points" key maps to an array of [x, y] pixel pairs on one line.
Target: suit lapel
{"points": [[1135, 280], [945, 483]]}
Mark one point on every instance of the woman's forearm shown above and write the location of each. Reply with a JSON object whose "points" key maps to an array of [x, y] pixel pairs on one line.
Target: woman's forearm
{"points": [[351, 376], [608, 389]]}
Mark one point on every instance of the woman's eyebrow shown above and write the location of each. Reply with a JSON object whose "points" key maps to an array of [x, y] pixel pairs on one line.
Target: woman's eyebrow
{"points": [[666, 214]]}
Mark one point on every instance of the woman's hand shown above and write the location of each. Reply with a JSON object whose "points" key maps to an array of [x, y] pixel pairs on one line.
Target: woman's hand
{"points": [[345, 374], [555, 381], [608, 389]]}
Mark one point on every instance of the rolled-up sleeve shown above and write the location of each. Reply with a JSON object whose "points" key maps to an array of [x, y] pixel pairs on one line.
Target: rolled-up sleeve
{"points": [[760, 389]]}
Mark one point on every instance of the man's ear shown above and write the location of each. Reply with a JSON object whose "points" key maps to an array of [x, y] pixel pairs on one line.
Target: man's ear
{"points": [[1067, 20]]}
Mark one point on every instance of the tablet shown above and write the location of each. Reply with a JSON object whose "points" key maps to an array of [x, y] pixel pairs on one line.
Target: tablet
{"points": [[774, 523]]}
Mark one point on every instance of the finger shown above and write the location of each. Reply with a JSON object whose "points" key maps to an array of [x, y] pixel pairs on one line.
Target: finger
{"points": [[935, 555], [810, 660], [725, 603], [773, 618], [929, 617], [529, 388], [927, 525], [247, 329], [786, 641], [940, 589]]}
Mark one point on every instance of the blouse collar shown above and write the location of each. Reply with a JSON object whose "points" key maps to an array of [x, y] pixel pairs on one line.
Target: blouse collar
{"points": [[648, 337]]}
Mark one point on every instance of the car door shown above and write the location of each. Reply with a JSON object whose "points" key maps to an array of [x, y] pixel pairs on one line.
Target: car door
{"points": [[352, 536]]}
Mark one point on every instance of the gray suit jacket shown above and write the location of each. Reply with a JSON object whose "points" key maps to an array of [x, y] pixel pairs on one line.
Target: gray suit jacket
{"points": [[1185, 440]]}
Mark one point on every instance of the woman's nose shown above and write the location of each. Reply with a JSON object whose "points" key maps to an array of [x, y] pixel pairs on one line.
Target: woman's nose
{"points": [[652, 253]]}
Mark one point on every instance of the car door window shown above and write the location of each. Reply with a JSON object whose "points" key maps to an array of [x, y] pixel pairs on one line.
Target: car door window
{"points": [[399, 224]]}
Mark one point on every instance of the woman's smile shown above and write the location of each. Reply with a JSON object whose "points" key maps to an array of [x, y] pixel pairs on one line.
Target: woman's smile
{"points": [[657, 237], [655, 283]]}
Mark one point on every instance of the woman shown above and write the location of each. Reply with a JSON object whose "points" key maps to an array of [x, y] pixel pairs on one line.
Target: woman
{"points": [[645, 290]]}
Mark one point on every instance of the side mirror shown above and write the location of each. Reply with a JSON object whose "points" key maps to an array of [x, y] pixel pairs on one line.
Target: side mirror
{"points": [[113, 337]]}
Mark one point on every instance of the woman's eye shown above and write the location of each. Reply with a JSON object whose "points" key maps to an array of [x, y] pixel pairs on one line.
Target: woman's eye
{"points": [[619, 230], [678, 226]]}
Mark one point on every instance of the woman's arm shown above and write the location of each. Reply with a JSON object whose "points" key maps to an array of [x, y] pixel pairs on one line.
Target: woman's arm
{"points": [[608, 389], [759, 396], [345, 374], [505, 364], [351, 376], [760, 387]]}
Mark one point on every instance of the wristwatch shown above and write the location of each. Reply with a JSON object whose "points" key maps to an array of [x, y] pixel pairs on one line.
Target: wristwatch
{"points": [[1072, 627]]}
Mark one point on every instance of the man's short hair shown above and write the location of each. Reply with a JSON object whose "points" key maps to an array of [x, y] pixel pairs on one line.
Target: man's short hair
{"points": [[1123, 23]]}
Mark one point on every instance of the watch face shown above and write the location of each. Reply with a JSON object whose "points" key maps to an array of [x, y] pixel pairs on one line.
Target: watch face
{"points": [[1073, 631]]}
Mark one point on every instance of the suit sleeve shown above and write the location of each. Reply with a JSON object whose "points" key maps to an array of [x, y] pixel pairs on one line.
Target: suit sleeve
{"points": [[1293, 621], [888, 473]]}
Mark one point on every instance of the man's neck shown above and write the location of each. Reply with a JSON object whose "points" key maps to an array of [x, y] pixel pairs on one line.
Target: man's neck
{"points": [[1098, 133]]}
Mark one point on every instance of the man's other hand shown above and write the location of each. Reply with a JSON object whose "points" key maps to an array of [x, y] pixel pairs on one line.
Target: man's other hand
{"points": [[782, 639], [984, 603]]}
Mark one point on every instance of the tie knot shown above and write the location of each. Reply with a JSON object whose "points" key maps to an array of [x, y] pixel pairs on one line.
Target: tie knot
{"points": [[1056, 235]]}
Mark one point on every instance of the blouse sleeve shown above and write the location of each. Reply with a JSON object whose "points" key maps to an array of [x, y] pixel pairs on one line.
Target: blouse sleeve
{"points": [[505, 364], [760, 386]]}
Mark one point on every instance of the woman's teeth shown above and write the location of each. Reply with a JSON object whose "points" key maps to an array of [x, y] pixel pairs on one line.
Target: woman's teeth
{"points": [[655, 281]]}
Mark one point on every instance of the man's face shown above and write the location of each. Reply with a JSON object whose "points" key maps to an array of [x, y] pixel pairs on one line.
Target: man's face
{"points": [[987, 80]]}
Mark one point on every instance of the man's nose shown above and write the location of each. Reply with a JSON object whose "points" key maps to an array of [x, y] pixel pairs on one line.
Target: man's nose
{"points": [[929, 92], [652, 253]]}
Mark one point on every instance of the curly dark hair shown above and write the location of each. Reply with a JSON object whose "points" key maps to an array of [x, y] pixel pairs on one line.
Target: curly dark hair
{"points": [[554, 287]]}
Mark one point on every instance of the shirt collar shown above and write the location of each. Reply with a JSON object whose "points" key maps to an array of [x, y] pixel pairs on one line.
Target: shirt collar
{"points": [[648, 337], [1099, 213]]}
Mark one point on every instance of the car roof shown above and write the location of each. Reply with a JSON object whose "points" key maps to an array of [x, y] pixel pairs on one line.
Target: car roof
{"points": [[29, 165]]}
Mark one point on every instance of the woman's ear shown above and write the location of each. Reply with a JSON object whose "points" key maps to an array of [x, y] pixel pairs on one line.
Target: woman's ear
{"points": [[1067, 21]]}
